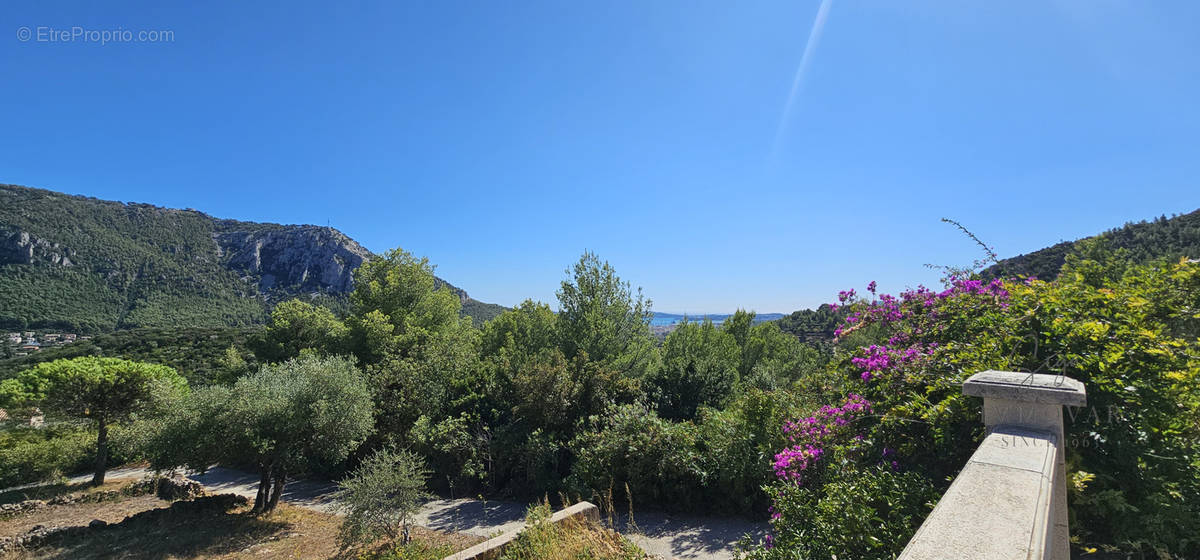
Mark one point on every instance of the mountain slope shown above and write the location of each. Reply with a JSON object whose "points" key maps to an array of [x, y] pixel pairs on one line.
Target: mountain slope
{"points": [[1174, 237], [88, 265]]}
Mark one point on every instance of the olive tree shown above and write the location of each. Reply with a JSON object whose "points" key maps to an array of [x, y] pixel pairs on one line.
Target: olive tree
{"points": [[99, 390], [381, 497], [284, 419]]}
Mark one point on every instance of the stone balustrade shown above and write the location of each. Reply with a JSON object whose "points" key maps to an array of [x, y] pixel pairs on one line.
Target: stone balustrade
{"points": [[1010, 500]]}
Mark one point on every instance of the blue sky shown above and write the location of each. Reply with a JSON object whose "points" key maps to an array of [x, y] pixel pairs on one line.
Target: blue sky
{"points": [[675, 139]]}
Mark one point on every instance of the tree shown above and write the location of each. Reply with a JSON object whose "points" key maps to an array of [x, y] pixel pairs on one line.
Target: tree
{"points": [[232, 365], [100, 390], [739, 325], [520, 340], [399, 291], [700, 367], [424, 380], [772, 358], [297, 326], [409, 334], [520, 332], [285, 419], [381, 497], [601, 316]]}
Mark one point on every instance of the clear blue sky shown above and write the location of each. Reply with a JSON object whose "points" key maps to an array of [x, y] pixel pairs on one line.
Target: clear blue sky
{"points": [[501, 139]]}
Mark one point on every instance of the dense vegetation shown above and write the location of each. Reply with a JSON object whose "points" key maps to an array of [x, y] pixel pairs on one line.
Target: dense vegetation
{"points": [[845, 439], [83, 265], [1162, 237], [813, 325], [293, 417], [857, 474], [201, 355], [100, 391], [131, 265]]}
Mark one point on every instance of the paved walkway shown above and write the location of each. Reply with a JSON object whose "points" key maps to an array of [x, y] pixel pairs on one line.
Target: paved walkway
{"points": [[685, 537]]}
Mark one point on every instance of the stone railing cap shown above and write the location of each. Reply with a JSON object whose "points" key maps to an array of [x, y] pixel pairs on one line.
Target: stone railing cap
{"points": [[1040, 388]]}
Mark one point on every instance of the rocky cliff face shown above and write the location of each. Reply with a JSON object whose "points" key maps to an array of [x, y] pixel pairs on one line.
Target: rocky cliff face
{"points": [[296, 259], [291, 258], [19, 247]]}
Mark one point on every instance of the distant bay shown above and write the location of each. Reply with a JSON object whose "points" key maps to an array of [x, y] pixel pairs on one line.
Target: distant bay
{"points": [[668, 319]]}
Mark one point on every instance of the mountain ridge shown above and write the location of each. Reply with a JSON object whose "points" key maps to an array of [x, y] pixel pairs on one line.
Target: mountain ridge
{"points": [[80, 263], [1176, 236]]}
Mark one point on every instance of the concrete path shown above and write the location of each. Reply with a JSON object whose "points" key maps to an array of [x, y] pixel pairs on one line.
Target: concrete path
{"points": [[689, 536], [683, 537]]}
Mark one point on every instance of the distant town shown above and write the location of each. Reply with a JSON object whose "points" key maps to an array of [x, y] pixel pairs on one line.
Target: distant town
{"points": [[19, 344]]}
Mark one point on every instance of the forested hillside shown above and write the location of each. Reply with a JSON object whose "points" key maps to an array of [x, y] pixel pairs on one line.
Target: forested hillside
{"points": [[1177, 236], [812, 325], [87, 265], [1174, 237], [200, 355]]}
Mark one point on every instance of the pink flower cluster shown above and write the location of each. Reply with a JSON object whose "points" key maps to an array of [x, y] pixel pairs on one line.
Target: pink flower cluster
{"points": [[888, 308], [879, 359], [809, 435]]}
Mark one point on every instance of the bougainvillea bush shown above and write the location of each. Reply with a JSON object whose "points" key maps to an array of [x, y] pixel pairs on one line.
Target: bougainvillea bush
{"points": [[858, 476]]}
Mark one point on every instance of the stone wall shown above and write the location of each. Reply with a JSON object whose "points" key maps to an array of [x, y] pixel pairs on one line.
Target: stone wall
{"points": [[1010, 501]]}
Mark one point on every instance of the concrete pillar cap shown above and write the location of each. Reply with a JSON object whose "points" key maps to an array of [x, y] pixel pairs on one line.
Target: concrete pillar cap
{"points": [[1039, 388]]}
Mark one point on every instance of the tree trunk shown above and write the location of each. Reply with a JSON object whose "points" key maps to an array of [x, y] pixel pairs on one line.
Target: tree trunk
{"points": [[101, 452], [280, 481], [264, 489]]}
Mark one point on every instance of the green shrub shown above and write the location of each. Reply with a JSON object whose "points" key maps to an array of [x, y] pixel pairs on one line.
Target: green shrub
{"points": [[631, 445], [699, 368], [570, 539], [415, 550], [856, 514], [454, 451], [1128, 332], [736, 445], [32, 455], [381, 497]]}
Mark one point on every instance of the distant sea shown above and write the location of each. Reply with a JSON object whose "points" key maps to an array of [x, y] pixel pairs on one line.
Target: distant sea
{"points": [[668, 319]]}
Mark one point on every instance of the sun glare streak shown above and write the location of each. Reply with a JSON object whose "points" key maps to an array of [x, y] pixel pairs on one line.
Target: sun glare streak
{"points": [[814, 37]]}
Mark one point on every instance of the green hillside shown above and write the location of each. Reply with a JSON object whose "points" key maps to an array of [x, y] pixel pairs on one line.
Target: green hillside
{"points": [[199, 354], [92, 266], [1174, 237], [85, 265], [1177, 236]]}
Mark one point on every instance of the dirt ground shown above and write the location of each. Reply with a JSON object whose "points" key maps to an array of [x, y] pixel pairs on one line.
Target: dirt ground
{"points": [[216, 527]]}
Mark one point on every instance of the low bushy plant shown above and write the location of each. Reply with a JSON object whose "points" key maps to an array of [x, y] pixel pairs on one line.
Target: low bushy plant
{"points": [[38, 454], [36, 459], [381, 496], [631, 445], [570, 539]]}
